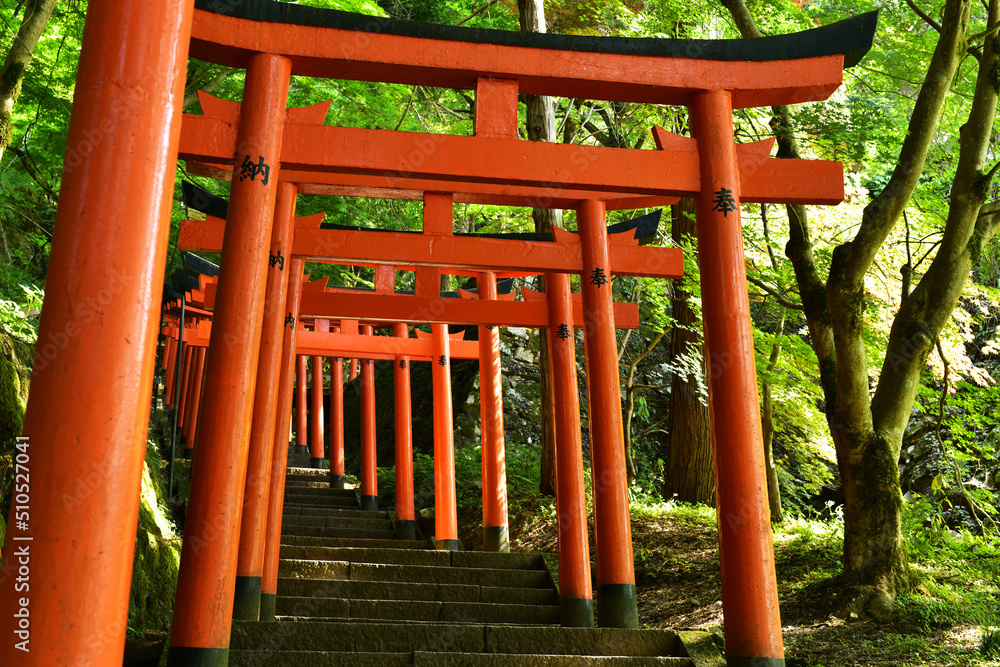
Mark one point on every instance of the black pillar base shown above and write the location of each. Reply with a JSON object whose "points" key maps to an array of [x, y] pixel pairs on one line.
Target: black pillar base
{"points": [[369, 503], [755, 662], [301, 449], [336, 481], [186, 656], [406, 530], [495, 539], [616, 606], [447, 545], [246, 604], [576, 612], [189, 454], [268, 604], [317, 464]]}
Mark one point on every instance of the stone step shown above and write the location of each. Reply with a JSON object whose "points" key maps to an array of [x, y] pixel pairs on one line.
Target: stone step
{"points": [[400, 554], [405, 637], [441, 574], [428, 659], [293, 568], [360, 523], [326, 491], [307, 475], [320, 501], [312, 608], [322, 531], [430, 574], [300, 541], [359, 589], [314, 510]]}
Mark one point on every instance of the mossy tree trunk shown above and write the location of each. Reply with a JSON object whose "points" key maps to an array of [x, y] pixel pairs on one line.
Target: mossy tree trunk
{"points": [[867, 429], [36, 17]]}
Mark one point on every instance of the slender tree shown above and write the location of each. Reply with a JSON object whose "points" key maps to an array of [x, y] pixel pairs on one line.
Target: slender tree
{"points": [[867, 429], [36, 17], [541, 126]]}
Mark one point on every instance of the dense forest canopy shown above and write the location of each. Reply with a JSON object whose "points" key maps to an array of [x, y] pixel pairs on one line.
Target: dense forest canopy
{"points": [[870, 317]]}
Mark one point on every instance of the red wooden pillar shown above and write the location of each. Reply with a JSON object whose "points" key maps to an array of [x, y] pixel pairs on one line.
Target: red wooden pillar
{"points": [[316, 436], [616, 602], [301, 411], [337, 421], [171, 370], [495, 537], [184, 403], [369, 462], [206, 582], [117, 190], [749, 586], [192, 423], [279, 453], [575, 593], [253, 522], [445, 508], [354, 370], [406, 526]]}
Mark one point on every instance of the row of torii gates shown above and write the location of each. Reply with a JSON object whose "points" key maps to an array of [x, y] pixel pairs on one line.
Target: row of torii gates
{"points": [[66, 568]]}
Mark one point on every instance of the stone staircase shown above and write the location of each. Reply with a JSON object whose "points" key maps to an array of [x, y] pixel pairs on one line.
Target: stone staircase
{"points": [[351, 594]]}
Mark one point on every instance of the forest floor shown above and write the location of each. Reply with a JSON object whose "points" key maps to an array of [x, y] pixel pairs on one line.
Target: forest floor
{"points": [[677, 573]]}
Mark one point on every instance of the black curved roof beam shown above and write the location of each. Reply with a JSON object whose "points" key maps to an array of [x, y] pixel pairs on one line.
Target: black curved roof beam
{"points": [[783, 69], [851, 37]]}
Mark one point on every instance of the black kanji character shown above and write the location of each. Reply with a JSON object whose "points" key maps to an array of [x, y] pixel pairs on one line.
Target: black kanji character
{"points": [[277, 260], [289, 321], [598, 277], [250, 170], [442, 361], [724, 202], [368, 362], [402, 363], [489, 327], [562, 333]]}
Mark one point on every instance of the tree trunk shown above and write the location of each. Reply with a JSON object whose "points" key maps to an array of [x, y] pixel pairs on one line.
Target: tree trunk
{"points": [[36, 17], [867, 430], [688, 473], [767, 429], [541, 126]]}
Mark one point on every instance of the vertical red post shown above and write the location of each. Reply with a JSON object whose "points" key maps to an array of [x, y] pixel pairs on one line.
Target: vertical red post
{"points": [[185, 397], [337, 421], [445, 508], [170, 372], [753, 623], [316, 436], [206, 582], [192, 423], [369, 460], [117, 190], [406, 526], [616, 602], [253, 522], [575, 593], [353, 373], [279, 453], [301, 411], [495, 536]]}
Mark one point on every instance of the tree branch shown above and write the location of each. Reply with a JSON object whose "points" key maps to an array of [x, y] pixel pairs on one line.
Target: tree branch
{"points": [[923, 15], [777, 296]]}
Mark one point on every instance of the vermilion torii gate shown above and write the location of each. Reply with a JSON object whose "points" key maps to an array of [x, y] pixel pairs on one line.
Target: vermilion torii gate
{"points": [[130, 96]]}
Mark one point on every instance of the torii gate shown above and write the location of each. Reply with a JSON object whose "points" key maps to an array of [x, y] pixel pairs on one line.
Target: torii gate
{"points": [[93, 542]]}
